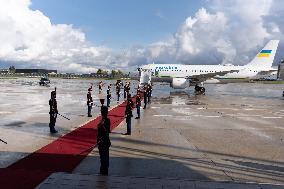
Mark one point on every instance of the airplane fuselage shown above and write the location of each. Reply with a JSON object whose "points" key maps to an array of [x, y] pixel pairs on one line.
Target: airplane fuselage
{"points": [[179, 70]]}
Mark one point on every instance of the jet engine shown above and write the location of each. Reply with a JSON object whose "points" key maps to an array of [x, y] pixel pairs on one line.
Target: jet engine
{"points": [[179, 83]]}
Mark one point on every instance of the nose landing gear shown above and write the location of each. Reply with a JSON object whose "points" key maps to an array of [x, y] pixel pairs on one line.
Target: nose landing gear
{"points": [[199, 90]]}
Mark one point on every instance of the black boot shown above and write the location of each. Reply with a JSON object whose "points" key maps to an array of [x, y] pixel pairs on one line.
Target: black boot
{"points": [[52, 130]]}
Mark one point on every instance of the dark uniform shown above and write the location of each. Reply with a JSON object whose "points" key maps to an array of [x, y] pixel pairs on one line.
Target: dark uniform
{"points": [[118, 90], [128, 114], [145, 94], [100, 87], [128, 89], [53, 111], [108, 96], [124, 90], [138, 105], [89, 102], [149, 92], [103, 141]]}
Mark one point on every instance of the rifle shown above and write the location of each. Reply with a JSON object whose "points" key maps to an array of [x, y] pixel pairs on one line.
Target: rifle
{"points": [[3, 141], [64, 116]]}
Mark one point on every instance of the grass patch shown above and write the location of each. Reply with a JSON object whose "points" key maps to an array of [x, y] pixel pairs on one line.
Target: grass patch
{"points": [[8, 78]]}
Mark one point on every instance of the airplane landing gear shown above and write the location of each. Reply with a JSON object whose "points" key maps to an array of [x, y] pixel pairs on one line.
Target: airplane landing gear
{"points": [[199, 90]]}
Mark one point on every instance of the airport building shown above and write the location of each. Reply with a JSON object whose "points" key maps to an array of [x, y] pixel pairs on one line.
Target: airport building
{"points": [[34, 71], [4, 71]]}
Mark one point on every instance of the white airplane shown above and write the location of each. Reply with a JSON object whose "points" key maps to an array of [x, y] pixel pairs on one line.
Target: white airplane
{"points": [[182, 76]]}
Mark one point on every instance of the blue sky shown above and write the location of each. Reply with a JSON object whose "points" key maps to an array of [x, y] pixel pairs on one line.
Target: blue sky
{"points": [[120, 23], [123, 34]]}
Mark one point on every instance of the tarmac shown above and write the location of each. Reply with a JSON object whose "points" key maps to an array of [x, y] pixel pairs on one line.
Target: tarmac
{"points": [[232, 137]]}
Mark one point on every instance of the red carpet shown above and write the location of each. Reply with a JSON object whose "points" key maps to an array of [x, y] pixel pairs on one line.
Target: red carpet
{"points": [[62, 155]]}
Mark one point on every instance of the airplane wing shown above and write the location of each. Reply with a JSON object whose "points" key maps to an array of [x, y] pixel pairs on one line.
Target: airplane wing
{"points": [[206, 76]]}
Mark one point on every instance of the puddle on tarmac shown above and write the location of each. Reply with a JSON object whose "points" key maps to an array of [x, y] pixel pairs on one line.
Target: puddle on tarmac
{"points": [[15, 124]]}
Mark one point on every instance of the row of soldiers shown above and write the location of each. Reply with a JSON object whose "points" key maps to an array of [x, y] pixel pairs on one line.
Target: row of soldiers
{"points": [[103, 140], [145, 91]]}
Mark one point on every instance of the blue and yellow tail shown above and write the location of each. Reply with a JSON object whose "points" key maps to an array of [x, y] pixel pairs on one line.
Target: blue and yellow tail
{"points": [[266, 56]]}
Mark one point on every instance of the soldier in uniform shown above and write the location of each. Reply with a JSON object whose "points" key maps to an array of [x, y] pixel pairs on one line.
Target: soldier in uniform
{"points": [[128, 88], [89, 101], [128, 114], [149, 93], [103, 140], [145, 94], [108, 95], [100, 87], [118, 84], [124, 90], [138, 104], [53, 111]]}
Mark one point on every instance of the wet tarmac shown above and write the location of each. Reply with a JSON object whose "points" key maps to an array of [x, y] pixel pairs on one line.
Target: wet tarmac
{"points": [[233, 133], [24, 111], [221, 136]]}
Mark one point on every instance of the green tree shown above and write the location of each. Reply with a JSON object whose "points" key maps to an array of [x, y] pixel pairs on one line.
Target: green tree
{"points": [[104, 72], [113, 73], [119, 72], [99, 71], [12, 69]]}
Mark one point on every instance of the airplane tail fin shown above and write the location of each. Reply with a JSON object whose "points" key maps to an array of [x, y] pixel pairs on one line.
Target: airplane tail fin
{"points": [[266, 56]]}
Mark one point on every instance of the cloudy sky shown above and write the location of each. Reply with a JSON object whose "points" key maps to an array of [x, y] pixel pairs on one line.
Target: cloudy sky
{"points": [[82, 36]]}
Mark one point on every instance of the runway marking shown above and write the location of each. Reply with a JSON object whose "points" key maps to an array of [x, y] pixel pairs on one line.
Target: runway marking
{"points": [[155, 107], [254, 131], [208, 116], [235, 109], [6, 112], [162, 115], [212, 116], [242, 115], [272, 117], [278, 127], [252, 109]]}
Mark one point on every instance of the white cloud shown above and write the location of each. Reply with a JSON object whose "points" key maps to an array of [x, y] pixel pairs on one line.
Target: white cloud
{"points": [[223, 32], [28, 37]]}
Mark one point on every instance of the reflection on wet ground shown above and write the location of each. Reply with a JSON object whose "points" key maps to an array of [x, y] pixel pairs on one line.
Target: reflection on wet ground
{"points": [[15, 124], [235, 131], [23, 98]]}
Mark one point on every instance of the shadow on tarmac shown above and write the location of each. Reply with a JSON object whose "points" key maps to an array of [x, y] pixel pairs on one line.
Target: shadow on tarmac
{"points": [[250, 167]]}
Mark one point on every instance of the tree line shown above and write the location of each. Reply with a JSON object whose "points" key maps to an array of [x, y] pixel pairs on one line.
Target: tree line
{"points": [[112, 73]]}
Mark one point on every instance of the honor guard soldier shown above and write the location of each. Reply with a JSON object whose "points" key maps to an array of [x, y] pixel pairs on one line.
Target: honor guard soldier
{"points": [[117, 85], [145, 94], [53, 111], [89, 101], [103, 140], [128, 114], [149, 93], [100, 87], [138, 104], [128, 88], [108, 95], [124, 90]]}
